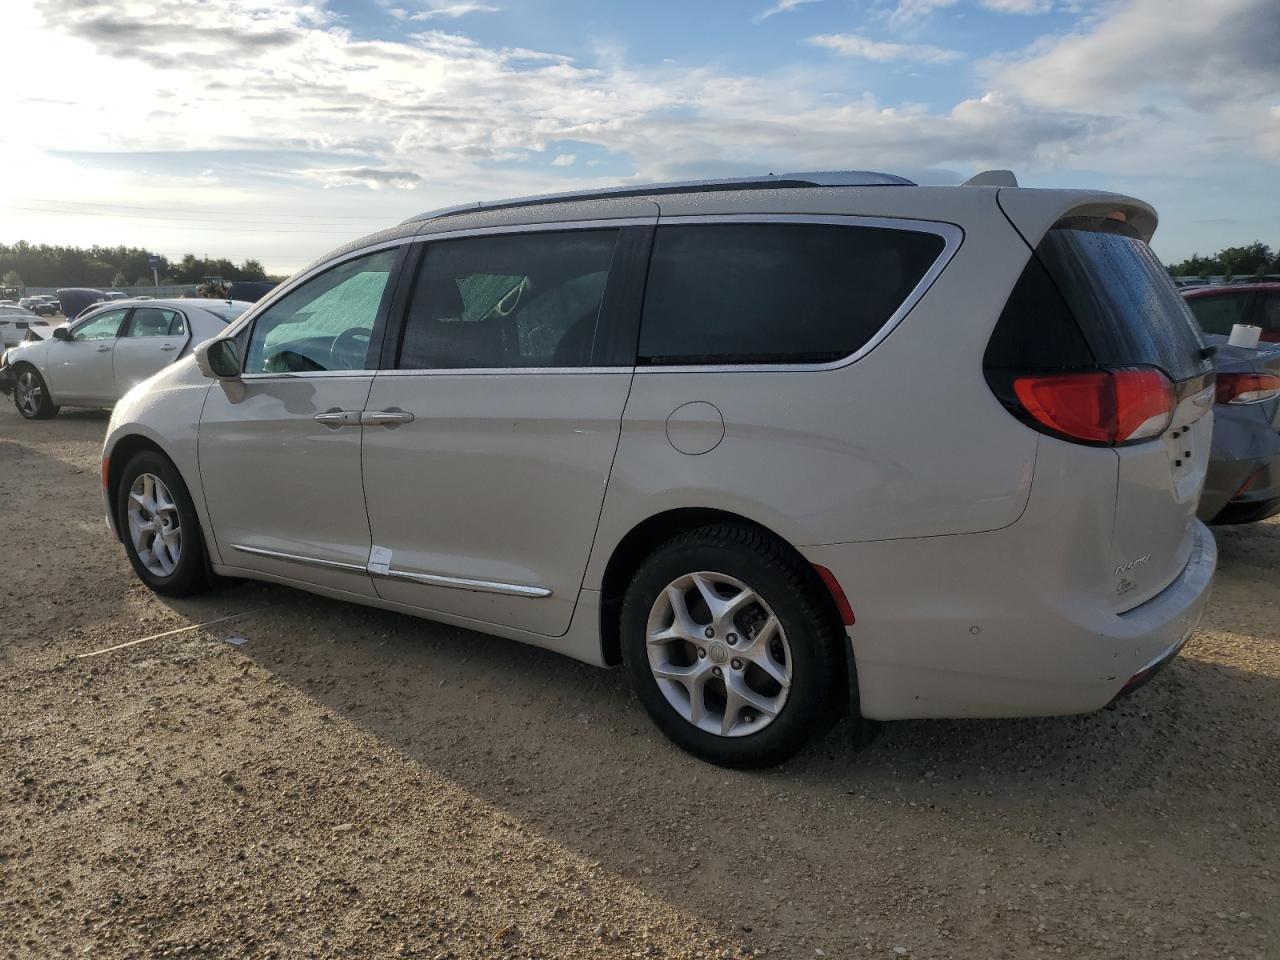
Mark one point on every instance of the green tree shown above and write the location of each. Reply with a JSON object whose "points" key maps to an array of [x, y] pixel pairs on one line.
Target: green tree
{"points": [[119, 280], [12, 279]]}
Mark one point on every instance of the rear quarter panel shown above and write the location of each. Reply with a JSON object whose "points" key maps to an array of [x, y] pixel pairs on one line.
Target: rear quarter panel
{"points": [[907, 441]]}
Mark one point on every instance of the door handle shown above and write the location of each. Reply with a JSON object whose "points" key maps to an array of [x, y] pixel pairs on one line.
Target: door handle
{"points": [[103, 349], [386, 418], [338, 418], [168, 346]]}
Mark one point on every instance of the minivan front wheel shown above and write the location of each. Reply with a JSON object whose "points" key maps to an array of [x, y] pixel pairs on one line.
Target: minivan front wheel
{"points": [[732, 646], [159, 527]]}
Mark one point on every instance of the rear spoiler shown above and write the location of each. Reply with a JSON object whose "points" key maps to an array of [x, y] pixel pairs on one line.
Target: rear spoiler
{"points": [[1032, 212]]}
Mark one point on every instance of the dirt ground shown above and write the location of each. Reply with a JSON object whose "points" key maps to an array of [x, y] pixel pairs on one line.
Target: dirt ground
{"points": [[354, 783]]}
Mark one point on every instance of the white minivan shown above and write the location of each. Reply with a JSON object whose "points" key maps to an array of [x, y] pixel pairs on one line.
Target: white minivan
{"points": [[785, 448]]}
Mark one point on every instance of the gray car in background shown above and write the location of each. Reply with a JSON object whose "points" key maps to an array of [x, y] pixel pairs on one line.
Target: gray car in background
{"points": [[1243, 481]]}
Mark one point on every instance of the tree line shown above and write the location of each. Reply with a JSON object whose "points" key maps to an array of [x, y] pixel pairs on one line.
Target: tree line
{"points": [[43, 265], [1256, 259]]}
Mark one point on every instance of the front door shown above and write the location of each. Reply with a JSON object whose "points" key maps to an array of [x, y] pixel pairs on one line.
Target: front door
{"points": [[280, 453], [150, 341], [487, 449], [80, 369]]}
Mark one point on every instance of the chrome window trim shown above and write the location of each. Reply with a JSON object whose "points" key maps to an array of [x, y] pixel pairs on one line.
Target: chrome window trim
{"points": [[552, 226], [297, 558], [307, 375], [952, 236], [513, 371]]}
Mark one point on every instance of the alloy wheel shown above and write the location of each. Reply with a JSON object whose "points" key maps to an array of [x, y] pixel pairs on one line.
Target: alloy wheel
{"points": [[154, 525], [28, 393], [719, 654]]}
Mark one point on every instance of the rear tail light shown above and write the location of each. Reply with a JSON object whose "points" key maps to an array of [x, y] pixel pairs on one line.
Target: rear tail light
{"points": [[1105, 407], [1246, 388]]}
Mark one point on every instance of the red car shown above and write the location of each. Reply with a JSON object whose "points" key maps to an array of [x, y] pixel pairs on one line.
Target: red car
{"points": [[1218, 307]]}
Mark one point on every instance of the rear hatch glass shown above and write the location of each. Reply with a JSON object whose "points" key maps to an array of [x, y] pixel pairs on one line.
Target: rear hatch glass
{"points": [[1130, 314], [1127, 307]]}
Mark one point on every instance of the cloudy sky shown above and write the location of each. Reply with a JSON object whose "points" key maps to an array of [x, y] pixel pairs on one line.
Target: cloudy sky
{"points": [[277, 130]]}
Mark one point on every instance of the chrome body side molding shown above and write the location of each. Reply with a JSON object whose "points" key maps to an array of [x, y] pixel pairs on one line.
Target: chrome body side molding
{"points": [[380, 569]]}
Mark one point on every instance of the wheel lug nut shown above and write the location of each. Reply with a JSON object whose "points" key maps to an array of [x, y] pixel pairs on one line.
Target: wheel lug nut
{"points": [[710, 632], [702, 652], [737, 664], [731, 639], [717, 671]]}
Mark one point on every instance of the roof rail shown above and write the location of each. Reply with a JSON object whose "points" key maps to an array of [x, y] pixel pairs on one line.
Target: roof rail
{"points": [[820, 178]]}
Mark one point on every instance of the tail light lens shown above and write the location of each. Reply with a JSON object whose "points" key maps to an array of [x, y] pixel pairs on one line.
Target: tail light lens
{"points": [[1105, 407], [1246, 388]]}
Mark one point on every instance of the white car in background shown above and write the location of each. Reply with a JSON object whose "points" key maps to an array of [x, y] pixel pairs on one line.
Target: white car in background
{"points": [[103, 354]]}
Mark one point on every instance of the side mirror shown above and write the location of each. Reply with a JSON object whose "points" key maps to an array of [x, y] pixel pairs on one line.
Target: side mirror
{"points": [[61, 333], [219, 359]]}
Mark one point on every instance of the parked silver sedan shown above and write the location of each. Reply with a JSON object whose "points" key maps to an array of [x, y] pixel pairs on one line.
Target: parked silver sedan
{"points": [[104, 353]]}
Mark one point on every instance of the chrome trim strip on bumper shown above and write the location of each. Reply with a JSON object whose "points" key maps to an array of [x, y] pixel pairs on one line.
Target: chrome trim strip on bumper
{"points": [[429, 579]]}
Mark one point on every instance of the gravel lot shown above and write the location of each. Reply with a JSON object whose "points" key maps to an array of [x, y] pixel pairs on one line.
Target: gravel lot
{"points": [[354, 783]]}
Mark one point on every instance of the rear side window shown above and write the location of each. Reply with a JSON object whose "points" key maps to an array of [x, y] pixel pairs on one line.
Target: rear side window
{"points": [[1220, 313], [154, 322], [745, 293], [510, 300], [1127, 307]]}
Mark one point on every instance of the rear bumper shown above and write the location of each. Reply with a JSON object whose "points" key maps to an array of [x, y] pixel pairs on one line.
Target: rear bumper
{"points": [[962, 627]]}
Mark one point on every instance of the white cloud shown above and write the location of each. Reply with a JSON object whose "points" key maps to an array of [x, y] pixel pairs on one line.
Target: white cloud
{"points": [[375, 178], [1158, 58], [782, 6], [855, 45], [564, 160], [906, 12], [254, 107], [447, 9], [1022, 7]]}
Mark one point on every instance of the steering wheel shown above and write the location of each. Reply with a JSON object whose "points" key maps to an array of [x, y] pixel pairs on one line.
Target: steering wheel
{"points": [[349, 349]]}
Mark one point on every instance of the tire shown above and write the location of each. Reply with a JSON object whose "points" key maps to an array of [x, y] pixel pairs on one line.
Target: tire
{"points": [[162, 498], [31, 394], [791, 623]]}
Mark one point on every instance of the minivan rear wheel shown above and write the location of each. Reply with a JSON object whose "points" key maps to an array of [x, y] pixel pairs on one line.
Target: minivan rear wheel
{"points": [[732, 646], [159, 526]]}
